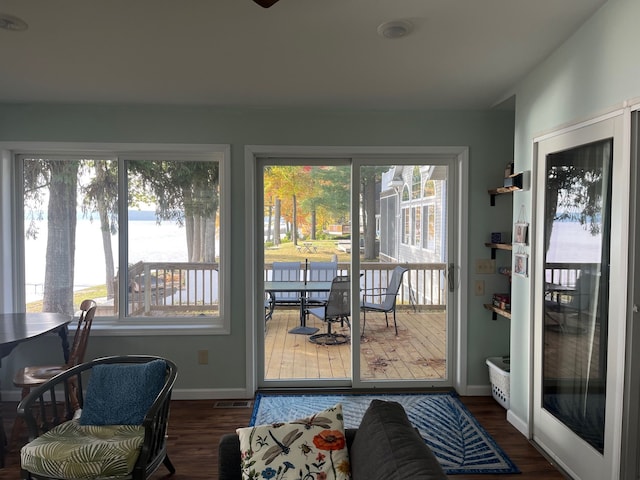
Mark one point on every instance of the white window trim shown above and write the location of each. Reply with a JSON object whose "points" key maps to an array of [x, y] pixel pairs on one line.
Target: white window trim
{"points": [[11, 250]]}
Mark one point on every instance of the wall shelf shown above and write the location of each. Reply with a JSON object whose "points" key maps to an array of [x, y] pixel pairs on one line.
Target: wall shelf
{"points": [[497, 311], [498, 246], [500, 191], [513, 182]]}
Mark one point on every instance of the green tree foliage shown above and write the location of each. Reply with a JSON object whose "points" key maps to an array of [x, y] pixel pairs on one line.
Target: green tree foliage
{"points": [[185, 192], [575, 186]]}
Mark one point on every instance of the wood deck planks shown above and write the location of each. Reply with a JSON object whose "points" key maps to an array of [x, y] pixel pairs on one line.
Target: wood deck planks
{"points": [[417, 353]]}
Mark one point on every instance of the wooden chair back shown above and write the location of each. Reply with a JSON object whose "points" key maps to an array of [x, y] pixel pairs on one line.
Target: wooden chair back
{"points": [[81, 338]]}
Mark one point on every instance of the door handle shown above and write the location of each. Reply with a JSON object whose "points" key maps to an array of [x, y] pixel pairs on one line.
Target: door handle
{"points": [[450, 277]]}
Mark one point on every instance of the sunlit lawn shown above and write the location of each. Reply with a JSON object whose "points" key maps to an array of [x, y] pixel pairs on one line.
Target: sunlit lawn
{"points": [[287, 252], [97, 291]]}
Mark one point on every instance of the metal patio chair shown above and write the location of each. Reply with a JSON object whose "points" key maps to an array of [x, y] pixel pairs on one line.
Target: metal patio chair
{"points": [[388, 296], [337, 309]]}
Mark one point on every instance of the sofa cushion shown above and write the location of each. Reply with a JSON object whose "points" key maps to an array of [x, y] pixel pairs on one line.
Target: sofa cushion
{"points": [[388, 447], [313, 447], [121, 394]]}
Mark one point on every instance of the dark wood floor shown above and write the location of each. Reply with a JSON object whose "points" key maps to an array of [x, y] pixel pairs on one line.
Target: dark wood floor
{"points": [[196, 426]]}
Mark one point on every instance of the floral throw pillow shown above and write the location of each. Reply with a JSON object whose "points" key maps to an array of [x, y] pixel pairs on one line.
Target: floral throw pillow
{"points": [[313, 448]]}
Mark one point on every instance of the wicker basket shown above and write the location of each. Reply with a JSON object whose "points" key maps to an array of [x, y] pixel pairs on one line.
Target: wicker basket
{"points": [[499, 368]]}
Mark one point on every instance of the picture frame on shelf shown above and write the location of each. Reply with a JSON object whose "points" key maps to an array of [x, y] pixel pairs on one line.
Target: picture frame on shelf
{"points": [[521, 233]]}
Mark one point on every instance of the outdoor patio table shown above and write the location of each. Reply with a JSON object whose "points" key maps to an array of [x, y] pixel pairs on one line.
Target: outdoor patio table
{"points": [[16, 328], [302, 288], [308, 247]]}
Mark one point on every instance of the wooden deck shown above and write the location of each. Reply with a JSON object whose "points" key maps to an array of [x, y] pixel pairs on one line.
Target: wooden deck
{"points": [[417, 353]]}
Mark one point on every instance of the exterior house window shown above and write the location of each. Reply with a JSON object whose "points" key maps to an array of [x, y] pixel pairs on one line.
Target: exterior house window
{"points": [[429, 189], [429, 238], [416, 182], [405, 194], [417, 229], [406, 225]]}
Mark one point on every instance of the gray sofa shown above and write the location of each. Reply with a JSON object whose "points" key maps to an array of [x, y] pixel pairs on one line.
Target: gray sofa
{"points": [[384, 447]]}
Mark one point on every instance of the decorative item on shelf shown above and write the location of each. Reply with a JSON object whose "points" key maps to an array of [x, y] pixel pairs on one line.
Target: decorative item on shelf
{"points": [[504, 271], [508, 171], [513, 181], [502, 301], [500, 237]]}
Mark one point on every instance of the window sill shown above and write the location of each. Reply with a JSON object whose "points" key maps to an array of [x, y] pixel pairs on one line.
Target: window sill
{"points": [[106, 328]]}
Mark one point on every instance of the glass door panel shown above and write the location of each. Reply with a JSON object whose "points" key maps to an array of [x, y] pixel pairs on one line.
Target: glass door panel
{"points": [[404, 249], [576, 266], [307, 238], [580, 273]]}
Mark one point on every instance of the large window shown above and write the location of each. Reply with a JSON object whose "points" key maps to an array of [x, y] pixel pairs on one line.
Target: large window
{"points": [[142, 234]]}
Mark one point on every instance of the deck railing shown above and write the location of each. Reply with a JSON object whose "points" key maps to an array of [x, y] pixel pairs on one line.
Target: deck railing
{"points": [[424, 285], [567, 274], [174, 286], [193, 287]]}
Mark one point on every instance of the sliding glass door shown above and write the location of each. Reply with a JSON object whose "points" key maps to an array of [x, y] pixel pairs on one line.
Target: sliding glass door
{"points": [[355, 288]]}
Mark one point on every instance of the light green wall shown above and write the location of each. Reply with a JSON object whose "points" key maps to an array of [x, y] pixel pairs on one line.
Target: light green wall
{"points": [[595, 70], [489, 136]]}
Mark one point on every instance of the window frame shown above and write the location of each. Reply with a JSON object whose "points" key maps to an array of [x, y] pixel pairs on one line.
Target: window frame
{"points": [[120, 324]]}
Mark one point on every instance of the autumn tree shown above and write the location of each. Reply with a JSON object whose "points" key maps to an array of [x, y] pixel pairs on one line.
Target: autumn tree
{"points": [[287, 183]]}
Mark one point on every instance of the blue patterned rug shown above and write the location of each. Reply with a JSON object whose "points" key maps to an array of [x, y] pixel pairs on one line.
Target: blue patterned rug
{"points": [[459, 442]]}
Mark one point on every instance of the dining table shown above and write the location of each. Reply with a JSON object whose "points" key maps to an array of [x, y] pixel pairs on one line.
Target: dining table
{"points": [[303, 288], [16, 328]]}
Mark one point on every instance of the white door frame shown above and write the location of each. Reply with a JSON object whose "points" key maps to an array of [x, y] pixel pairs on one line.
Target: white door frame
{"points": [[254, 256], [630, 455], [574, 455]]}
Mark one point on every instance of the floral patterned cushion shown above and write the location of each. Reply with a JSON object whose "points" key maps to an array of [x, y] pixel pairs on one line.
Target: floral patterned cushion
{"points": [[75, 452], [313, 448]]}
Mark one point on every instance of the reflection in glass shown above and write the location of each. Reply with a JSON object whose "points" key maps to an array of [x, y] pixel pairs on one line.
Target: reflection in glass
{"points": [[576, 232]]}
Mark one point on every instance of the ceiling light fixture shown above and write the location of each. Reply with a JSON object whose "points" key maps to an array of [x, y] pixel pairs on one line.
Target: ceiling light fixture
{"points": [[11, 23], [395, 29]]}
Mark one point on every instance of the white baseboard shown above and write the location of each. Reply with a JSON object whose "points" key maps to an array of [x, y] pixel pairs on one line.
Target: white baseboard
{"points": [[212, 394], [478, 391], [520, 424], [177, 394]]}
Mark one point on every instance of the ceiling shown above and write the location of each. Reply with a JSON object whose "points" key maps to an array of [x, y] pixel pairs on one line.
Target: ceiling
{"points": [[461, 54]]}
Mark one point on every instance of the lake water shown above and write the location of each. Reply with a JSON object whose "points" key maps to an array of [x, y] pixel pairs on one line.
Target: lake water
{"points": [[149, 242], [571, 243], [167, 242]]}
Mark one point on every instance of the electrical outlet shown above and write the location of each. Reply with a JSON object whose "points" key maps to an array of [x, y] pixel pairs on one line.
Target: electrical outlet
{"points": [[479, 287], [203, 357], [485, 266]]}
